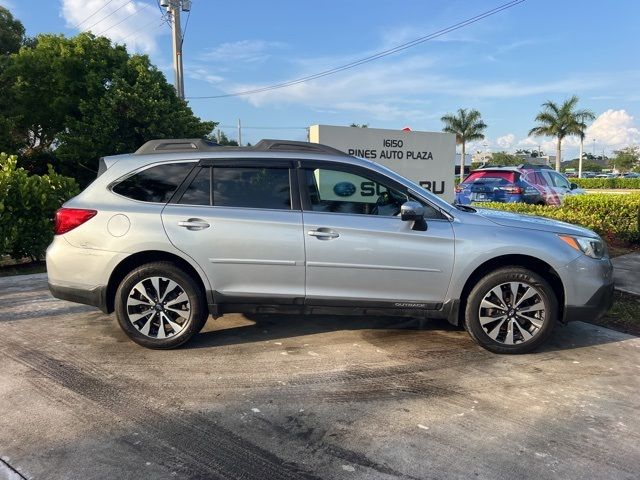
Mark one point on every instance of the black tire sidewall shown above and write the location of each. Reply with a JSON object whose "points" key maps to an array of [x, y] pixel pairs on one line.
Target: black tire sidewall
{"points": [[168, 270], [505, 275]]}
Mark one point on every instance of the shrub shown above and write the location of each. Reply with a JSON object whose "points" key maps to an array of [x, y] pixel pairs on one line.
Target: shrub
{"points": [[27, 205], [615, 217], [606, 182]]}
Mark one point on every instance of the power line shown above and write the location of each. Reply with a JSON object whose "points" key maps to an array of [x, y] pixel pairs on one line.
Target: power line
{"points": [[373, 57], [141, 29], [262, 128], [87, 18], [121, 21], [104, 18], [186, 24]]}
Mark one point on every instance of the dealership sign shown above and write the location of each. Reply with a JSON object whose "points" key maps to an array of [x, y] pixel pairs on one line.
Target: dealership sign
{"points": [[427, 158]]}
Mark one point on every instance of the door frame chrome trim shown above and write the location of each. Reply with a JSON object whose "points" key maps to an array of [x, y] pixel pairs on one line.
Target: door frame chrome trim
{"points": [[254, 261], [364, 266]]}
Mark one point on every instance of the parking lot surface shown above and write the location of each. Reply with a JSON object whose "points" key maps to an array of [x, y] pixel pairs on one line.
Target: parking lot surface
{"points": [[284, 397]]}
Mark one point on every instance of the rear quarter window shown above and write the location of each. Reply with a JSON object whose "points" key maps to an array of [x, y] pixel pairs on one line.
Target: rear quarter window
{"points": [[154, 184]]}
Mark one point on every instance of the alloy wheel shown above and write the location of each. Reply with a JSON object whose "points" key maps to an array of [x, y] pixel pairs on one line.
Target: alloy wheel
{"points": [[512, 313], [158, 307]]}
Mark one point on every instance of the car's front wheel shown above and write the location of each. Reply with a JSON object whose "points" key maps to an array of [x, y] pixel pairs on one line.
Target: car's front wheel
{"points": [[511, 310], [160, 306]]}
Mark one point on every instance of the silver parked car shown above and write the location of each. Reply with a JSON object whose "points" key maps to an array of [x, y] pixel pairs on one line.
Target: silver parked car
{"points": [[182, 229]]}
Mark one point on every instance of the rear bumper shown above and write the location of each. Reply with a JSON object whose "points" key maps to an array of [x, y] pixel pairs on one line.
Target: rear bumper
{"points": [[594, 309], [95, 297]]}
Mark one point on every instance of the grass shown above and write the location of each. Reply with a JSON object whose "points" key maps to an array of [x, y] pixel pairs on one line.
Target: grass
{"points": [[624, 316]]}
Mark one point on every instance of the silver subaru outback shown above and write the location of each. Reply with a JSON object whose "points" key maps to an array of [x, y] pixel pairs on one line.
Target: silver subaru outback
{"points": [[183, 229]]}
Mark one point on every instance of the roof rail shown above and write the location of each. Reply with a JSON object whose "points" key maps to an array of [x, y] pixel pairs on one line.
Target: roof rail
{"points": [[270, 145], [534, 165], [176, 145]]}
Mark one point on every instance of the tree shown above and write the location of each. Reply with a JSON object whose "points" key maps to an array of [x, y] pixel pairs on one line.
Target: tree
{"points": [[219, 137], [100, 100], [587, 165], [467, 125], [625, 159], [11, 33], [359, 125], [504, 158], [561, 121]]}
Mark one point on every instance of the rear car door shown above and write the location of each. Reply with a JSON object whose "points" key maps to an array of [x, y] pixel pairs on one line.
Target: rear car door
{"points": [[359, 251], [240, 222]]}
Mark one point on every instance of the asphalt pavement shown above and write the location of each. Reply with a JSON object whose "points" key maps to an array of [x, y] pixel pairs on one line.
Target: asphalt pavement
{"points": [[286, 397]]}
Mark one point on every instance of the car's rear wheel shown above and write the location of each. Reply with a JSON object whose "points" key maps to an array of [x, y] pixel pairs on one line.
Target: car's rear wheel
{"points": [[512, 310], [158, 305]]}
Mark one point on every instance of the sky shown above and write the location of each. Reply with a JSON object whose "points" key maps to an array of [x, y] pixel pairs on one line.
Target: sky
{"points": [[505, 65]]}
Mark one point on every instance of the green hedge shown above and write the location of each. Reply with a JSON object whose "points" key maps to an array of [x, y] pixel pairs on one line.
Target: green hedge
{"points": [[607, 182], [614, 216], [27, 206]]}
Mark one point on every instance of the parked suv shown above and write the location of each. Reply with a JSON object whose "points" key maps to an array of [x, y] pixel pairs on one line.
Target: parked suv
{"points": [[182, 229], [535, 184]]}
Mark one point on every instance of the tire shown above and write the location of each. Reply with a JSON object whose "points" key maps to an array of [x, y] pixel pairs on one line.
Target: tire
{"points": [[514, 328], [180, 313]]}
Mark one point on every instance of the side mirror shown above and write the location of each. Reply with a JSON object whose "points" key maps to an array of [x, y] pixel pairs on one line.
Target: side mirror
{"points": [[574, 186], [413, 212]]}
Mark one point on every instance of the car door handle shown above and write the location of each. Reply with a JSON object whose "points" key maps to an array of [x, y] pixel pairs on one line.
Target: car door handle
{"points": [[323, 233], [194, 224]]}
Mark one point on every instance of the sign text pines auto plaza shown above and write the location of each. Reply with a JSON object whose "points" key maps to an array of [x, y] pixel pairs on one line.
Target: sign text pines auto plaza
{"points": [[427, 158]]}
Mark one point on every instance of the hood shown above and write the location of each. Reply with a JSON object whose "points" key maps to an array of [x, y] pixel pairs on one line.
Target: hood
{"points": [[531, 222]]}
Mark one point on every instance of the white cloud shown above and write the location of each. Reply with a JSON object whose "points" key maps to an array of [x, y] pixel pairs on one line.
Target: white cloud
{"points": [[614, 129], [506, 141], [199, 73], [135, 23], [242, 51]]}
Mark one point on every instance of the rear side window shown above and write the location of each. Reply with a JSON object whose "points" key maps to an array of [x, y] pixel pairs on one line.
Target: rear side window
{"points": [[489, 176], [251, 187], [199, 191], [155, 184]]}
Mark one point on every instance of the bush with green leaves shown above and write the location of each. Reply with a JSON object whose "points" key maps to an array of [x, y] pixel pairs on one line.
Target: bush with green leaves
{"points": [[612, 183], [27, 206], [614, 216]]}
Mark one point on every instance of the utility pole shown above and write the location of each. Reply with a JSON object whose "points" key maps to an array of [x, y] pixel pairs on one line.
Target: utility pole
{"points": [[174, 7], [239, 133]]}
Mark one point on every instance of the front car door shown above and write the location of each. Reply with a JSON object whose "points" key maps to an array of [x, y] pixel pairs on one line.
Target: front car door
{"points": [[240, 222], [359, 251]]}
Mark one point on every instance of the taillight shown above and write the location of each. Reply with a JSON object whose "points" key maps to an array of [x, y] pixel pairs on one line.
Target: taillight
{"points": [[512, 189], [69, 218]]}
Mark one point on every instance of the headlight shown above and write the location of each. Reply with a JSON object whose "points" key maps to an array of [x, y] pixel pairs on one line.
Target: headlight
{"points": [[591, 247]]}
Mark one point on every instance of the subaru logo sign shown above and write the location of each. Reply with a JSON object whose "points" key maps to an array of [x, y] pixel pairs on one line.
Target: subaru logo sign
{"points": [[344, 189]]}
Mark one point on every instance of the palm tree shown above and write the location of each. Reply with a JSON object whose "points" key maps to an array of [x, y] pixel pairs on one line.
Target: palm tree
{"points": [[467, 125], [560, 122]]}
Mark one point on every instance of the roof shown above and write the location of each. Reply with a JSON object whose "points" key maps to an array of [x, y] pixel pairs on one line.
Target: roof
{"points": [[516, 168], [179, 145]]}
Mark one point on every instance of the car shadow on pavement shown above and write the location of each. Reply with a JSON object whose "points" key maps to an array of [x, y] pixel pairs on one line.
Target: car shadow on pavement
{"points": [[274, 327]]}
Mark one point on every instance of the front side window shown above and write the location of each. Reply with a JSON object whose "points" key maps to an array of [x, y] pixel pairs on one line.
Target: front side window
{"points": [[560, 181], [251, 187], [155, 184], [342, 192]]}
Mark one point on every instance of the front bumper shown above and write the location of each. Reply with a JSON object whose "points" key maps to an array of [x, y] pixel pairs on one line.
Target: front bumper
{"points": [[594, 309], [96, 297]]}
